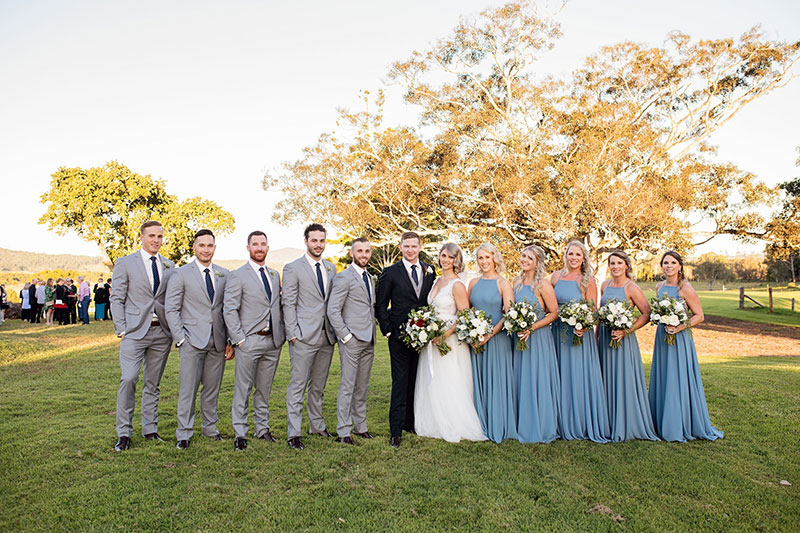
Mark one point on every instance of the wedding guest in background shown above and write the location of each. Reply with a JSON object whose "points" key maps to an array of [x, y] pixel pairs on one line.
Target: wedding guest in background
{"points": [[40, 300], [84, 297], [100, 291], [623, 375], [584, 414], [72, 301], [108, 307], [538, 385], [677, 398], [306, 289], [3, 302], [49, 300], [493, 368], [25, 298], [60, 303], [34, 312]]}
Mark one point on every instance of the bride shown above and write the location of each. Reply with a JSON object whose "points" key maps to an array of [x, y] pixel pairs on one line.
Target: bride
{"points": [[443, 401]]}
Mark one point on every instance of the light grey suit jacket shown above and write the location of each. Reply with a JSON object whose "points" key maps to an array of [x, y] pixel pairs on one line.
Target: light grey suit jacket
{"points": [[304, 308], [190, 313], [132, 300], [246, 308], [350, 308]]}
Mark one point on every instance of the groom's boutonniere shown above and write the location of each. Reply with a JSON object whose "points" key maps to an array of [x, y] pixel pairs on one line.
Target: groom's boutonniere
{"points": [[429, 270], [165, 264], [328, 268], [218, 273]]}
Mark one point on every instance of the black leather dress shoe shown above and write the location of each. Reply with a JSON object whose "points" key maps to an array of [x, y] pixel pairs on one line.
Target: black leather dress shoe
{"points": [[240, 444], [323, 433], [296, 443], [154, 436], [267, 437], [182, 444], [123, 443], [365, 435], [395, 442], [346, 440]]}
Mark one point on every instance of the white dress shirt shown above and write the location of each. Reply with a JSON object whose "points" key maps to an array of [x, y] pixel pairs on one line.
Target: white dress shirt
{"points": [[322, 267]]}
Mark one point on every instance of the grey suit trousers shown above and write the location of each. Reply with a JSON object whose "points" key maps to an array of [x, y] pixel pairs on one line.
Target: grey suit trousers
{"points": [[310, 366], [256, 362], [152, 350], [199, 366], [351, 404]]}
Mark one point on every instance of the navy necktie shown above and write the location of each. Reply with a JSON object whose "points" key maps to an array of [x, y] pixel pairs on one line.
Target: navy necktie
{"points": [[156, 280], [366, 284], [266, 283], [319, 281], [414, 276], [209, 286]]}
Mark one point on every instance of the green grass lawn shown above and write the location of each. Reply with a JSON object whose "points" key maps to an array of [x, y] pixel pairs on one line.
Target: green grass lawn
{"points": [[726, 304], [57, 399]]}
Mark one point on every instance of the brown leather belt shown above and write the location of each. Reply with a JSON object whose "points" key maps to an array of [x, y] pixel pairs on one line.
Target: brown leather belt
{"points": [[155, 323], [264, 333]]}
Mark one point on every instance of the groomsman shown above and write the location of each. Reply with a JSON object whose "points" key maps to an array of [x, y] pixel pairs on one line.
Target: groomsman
{"points": [[306, 287], [194, 314], [402, 287], [137, 300], [252, 311], [351, 311]]}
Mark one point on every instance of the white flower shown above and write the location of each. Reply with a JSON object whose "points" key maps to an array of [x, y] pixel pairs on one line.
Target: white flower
{"points": [[423, 337], [513, 313], [572, 321], [578, 327], [673, 321], [679, 306], [523, 324], [655, 317], [664, 320]]}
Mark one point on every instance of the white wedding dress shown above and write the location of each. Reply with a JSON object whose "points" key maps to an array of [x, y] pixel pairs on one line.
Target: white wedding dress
{"points": [[443, 400]]}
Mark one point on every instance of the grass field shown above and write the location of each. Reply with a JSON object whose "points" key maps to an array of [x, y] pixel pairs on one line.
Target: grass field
{"points": [[58, 389]]}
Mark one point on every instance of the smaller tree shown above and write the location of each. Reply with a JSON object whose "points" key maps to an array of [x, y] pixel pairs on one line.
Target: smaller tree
{"points": [[106, 205], [783, 232], [711, 267]]}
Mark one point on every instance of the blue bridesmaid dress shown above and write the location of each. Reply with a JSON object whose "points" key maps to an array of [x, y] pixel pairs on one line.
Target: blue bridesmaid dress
{"points": [[623, 375], [538, 385], [584, 414], [677, 399], [493, 370]]}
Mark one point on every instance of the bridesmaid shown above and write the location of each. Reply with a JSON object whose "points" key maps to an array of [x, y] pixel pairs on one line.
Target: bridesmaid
{"points": [[677, 399], [584, 414], [538, 385], [626, 392], [493, 370]]}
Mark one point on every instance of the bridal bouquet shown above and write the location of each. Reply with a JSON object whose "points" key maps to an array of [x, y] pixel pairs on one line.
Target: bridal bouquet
{"points": [[422, 327], [520, 317], [670, 312], [580, 315], [472, 325], [616, 315]]}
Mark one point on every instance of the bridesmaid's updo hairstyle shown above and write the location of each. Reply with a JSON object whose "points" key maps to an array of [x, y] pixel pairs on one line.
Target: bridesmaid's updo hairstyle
{"points": [[625, 257], [539, 271], [586, 266], [675, 255], [454, 251], [499, 264]]}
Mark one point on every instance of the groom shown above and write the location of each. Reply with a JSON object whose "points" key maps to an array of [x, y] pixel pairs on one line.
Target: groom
{"points": [[402, 287]]}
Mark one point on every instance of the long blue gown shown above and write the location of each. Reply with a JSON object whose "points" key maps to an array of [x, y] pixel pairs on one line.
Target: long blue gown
{"points": [[623, 375], [677, 398], [538, 385], [493, 370], [584, 414]]}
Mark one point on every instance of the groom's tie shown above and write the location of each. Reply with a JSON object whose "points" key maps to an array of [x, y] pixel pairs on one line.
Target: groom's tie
{"points": [[415, 279]]}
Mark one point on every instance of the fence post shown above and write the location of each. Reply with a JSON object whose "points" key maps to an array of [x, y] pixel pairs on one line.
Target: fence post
{"points": [[770, 299], [741, 297], [792, 304]]}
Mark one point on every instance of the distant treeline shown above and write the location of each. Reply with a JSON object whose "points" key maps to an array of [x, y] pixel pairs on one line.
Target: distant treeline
{"points": [[16, 261]]}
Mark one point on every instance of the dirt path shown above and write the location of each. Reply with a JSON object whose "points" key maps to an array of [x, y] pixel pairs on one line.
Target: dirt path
{"points": [[725, 336]]}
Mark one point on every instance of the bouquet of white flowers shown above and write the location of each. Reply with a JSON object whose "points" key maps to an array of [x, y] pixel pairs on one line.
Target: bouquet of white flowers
{"points": [[580, 315], [616, 315], [670, 312], [520, 317], [472, 325], [422, 327]]}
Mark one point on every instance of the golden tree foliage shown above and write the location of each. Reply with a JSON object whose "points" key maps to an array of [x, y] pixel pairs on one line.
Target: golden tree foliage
{"points": [[615, 155], [107, 205]]}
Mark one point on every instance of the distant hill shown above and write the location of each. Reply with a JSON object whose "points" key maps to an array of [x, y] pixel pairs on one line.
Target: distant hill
{"points": [[32, 262]]}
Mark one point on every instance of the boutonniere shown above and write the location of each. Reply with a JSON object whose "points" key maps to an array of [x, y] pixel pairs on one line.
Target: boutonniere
{"points": [[218, 273], [429, 270], [165, 264], [328, 268]]}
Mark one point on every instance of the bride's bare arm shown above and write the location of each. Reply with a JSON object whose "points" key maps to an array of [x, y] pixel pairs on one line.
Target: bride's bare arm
{"points": [[462, 302]]}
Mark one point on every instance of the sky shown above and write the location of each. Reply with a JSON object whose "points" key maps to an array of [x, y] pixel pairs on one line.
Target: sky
{"points": [[210, 95]]}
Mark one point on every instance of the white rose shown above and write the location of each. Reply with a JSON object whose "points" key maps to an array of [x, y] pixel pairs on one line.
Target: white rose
{"points": [[476, 321], [423, 337], [664, 320], [512, 313], [673, 321], [679, 306], [572, 321], [655, 317], [578, 327]]}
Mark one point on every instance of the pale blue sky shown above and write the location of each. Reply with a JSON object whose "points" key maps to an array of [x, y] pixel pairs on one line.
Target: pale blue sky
{"points": [[207, 95]]}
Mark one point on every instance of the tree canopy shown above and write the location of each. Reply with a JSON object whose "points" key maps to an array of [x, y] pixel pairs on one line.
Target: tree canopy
{"points": [[107, 205], [616, 154], [783, 231]]}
